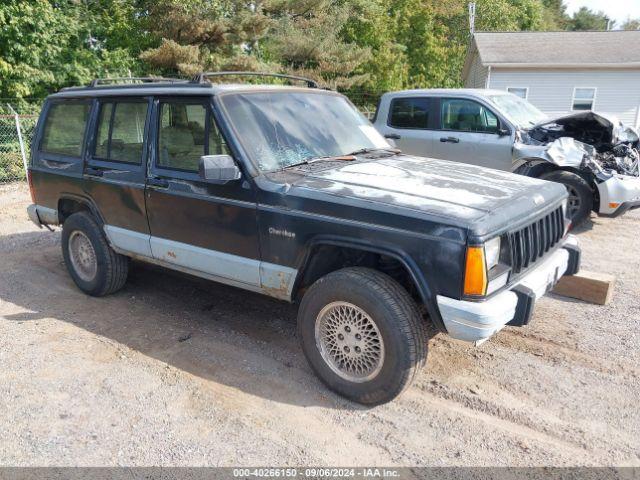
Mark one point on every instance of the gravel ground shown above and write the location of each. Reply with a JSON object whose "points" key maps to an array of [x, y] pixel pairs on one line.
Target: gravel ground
{"points": [[173, 370]]}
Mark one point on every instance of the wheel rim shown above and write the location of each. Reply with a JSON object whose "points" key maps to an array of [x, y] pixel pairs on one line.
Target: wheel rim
{"points": [[349, 341], [83, 256], [574, 203]]}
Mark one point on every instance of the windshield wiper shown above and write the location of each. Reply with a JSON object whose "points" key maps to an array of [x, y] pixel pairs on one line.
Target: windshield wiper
{"points": [[310, 160], [364, 151]]}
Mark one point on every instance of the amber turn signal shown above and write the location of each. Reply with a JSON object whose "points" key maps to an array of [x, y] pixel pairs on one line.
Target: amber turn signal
{"points": [[475, 275]]}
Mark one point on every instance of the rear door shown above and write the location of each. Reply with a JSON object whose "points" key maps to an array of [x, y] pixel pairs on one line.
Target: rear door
{"points": [[470, 133], [115, 170], [412, 123], [203, 227]]}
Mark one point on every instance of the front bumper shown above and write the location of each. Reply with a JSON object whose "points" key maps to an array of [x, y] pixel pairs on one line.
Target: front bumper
{"points": [[618, 195], [477, 321]]}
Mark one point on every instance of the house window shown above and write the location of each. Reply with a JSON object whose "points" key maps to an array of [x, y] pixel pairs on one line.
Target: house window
{"points": [[522, 92], [583, 98]]}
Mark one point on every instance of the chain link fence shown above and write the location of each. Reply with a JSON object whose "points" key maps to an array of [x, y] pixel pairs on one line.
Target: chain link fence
{"points": [[16, 129]]}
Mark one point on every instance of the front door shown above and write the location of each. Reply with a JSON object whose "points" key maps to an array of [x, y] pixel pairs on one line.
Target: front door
{"points": [[202, 227], [470, 133]]}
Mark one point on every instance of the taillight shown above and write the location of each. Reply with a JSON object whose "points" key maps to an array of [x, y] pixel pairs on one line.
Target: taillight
{"points": [[31, 190]]}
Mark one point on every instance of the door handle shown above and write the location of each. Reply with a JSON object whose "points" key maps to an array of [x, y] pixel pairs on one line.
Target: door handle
{"points": [[449, 140], [95, 172], [392, 136], [158, 182]]}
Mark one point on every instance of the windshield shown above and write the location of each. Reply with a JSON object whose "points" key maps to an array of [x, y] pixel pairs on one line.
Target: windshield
{"points": [[520, 111], [280, 129]]}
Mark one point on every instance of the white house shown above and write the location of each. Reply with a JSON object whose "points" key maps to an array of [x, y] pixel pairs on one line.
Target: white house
{"points": [[561, 72]]}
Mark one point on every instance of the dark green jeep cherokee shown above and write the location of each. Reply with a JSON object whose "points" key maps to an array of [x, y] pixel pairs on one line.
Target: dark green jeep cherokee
{"points": [[291, 192]]}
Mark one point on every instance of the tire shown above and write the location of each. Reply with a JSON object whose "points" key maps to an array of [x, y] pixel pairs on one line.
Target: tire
{"points": [[95, 268], [323, 316], [580, 194]]}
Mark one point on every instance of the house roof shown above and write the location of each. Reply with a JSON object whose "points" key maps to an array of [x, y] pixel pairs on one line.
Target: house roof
{"points": [[606, 49]]}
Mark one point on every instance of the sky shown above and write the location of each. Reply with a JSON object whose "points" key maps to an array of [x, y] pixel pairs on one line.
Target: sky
{"points": [[619, 10]]}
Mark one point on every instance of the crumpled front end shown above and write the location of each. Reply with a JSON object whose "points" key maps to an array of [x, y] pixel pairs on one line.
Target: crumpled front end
{"points": [[611, 163]]}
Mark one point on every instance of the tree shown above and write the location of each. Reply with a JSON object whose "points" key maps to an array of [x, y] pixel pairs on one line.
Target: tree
{"points": [[47, 45], [586, 19], [631, 24], [554, 15], [297, 36]]}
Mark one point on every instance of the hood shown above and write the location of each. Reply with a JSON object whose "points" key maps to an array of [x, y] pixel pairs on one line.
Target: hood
{"points": [[451, 190], [599, 130]]}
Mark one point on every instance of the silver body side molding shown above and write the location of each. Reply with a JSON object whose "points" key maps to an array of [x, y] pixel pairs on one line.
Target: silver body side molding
{"points": [[247, 273]]}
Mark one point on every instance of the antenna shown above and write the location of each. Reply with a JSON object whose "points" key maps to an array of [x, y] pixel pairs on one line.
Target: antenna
{"points": [[472, 17]]}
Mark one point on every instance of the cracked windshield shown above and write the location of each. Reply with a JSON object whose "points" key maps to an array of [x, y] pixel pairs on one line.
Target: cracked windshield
{"points": [[284, 129]]}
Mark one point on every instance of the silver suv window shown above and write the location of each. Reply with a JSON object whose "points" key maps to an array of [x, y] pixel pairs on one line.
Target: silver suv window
{"points": [[410, 112], [463, 115]]}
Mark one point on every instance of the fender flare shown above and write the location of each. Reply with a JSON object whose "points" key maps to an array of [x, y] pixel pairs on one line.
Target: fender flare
{"points": [[426, 295], [84, 200]]}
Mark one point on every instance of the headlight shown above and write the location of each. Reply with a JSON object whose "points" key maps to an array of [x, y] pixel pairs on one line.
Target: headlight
{"points": [[492, 252]]}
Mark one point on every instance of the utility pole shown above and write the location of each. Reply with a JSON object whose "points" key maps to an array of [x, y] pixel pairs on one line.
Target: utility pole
{"points": [[472, 18]]}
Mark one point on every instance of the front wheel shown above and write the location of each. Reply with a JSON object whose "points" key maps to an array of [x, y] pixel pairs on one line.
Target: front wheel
{"points": [[362, 334], [580, 201]]}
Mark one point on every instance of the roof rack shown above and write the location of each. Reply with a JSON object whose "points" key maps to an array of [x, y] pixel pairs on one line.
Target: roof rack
{"points": [[96, 82], [203, 77]]}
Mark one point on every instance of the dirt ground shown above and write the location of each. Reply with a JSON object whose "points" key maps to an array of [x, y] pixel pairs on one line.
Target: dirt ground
{"points": [[174, 370]]}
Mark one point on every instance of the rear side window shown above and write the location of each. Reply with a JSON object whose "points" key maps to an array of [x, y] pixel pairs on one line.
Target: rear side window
{"points": [[64, 128], [121, 131], [187, 132], [467, 116], [410, 113]]}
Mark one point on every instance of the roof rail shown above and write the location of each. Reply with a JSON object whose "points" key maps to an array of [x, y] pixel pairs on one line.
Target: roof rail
{"points": [[203, 77], [108, 81]]}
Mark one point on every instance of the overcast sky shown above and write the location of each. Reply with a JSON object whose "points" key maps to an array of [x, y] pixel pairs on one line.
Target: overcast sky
{"points": [[619, 10]]}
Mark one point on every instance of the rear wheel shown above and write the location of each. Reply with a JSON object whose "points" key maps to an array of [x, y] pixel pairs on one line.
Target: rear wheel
{"points": [[93, 265], [580, 201], [362, 334]]}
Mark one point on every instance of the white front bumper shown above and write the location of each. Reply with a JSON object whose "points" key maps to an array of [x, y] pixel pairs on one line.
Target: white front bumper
{"points": [[618, 190], [477, 321]]}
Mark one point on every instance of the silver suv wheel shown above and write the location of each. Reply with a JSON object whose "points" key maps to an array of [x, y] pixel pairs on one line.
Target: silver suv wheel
{"points": [[349, 341], [83, 256]]}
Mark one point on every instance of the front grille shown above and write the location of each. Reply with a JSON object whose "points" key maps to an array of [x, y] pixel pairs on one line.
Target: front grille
{"points": [[533, 241]]}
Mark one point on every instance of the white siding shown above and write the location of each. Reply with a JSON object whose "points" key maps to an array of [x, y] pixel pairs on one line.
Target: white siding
{"points": [[477, 76], [618, 91]]}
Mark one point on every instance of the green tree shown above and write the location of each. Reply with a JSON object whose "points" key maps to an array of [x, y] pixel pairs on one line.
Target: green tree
{"points": [[45, 45], [586, 19], [298, 36], [631, 24], [554, 15]]}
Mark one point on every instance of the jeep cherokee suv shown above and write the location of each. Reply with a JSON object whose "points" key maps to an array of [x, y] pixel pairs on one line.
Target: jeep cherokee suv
{"points": [[289, 191]]}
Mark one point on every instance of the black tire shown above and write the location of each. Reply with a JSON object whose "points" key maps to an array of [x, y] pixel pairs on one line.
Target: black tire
{"points": [[580, 194], [397, 318], [111, 268]]}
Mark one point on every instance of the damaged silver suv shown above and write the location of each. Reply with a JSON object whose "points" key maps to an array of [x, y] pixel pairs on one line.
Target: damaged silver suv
{"points": [[595, 156]]}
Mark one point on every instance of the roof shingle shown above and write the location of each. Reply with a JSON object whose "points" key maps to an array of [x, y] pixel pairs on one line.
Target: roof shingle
{"points": [[559, 48]]}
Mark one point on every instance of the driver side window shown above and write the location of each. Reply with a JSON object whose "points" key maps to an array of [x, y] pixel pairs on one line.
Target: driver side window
{"points": [[462, 115], [187, 131]]}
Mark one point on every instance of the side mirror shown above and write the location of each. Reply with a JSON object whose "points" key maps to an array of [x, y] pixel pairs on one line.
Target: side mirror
{"points": [[218, 169], [503, 132]]}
